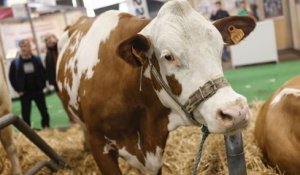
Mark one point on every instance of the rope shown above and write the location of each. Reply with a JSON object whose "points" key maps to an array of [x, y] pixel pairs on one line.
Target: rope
{"points": [[205, 134]]}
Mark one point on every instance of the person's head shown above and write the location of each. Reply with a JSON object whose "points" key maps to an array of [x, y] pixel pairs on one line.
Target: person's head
{"points": [[243, 5], [253, 7], [218, 5], [51, 41], [25, 48]]}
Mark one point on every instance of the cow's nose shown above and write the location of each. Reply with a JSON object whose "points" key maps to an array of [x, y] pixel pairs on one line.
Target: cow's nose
{"points": [[234, 117]]}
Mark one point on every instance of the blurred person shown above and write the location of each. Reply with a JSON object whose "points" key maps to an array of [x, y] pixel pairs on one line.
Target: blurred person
{"points": [[219, 14], [51, 59], [243, 9], [27, 77], [254, 13]]}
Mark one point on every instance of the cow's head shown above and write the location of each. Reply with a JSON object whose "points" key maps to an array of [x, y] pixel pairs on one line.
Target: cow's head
{"points": [[186, 50]]}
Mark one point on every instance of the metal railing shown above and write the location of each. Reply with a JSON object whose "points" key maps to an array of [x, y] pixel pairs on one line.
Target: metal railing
{"points": [[233, 144], [56, 161], [235, 154]]}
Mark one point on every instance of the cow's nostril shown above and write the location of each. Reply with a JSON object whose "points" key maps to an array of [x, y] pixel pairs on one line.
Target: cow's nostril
{"points": [[224, 117]]}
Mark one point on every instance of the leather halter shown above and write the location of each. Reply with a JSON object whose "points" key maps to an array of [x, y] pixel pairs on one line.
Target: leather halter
{"points": [[201, 94]]}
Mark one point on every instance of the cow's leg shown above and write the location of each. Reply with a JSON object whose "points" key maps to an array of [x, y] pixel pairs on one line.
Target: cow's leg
{"points": [[6, 138], [86, 144], [107, 162]]}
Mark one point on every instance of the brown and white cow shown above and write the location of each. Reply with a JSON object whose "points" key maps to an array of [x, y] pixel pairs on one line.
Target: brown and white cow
{"points": [[277, 128], [6, 134], [105, 81]]}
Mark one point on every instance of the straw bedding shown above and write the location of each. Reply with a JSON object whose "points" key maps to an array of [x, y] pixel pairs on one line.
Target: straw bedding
{"points": [[178, 158]]}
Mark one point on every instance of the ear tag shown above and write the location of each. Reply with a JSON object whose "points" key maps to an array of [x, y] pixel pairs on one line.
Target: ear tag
{"points": [[236, 35]]}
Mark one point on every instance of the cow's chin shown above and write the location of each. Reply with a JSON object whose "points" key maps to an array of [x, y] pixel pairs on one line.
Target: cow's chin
{"points": [[226, 131]]}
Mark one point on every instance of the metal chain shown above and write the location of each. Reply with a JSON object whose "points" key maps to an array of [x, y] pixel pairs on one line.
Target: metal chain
{"points": [[205, 134]]}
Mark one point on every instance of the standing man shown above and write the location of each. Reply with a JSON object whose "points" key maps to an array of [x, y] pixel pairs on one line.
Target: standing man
{"points": [[51, 59], [219, 14], [27, 77]]}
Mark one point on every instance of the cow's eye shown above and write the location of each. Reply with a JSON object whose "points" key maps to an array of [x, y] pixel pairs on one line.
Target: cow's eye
{"points": [[169, 57]]}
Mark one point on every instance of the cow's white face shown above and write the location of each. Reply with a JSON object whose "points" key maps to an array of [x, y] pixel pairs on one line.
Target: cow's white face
{"points": [[188, 50]]}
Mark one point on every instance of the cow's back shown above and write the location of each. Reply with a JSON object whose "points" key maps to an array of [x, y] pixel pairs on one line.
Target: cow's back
{"points": [[88, 67], [277, 129]]}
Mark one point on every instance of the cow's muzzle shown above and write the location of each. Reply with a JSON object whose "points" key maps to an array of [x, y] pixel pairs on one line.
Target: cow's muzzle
{"points": [[233, 117]]}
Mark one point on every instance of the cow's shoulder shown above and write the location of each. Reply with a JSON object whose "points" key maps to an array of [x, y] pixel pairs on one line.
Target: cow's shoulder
{"points": [[131, 23], [127, 26], [281, 107], [287, 92]]}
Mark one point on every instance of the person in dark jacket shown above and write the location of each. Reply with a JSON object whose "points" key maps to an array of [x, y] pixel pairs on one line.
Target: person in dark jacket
{"points": [[254, 13], [27, 77], [219, 14], [51, 59]]}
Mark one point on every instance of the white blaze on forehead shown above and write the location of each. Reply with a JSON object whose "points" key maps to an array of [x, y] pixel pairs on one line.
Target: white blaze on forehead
{"points": [[196, 46], [192, 40], [284, 92], [87, 51]]}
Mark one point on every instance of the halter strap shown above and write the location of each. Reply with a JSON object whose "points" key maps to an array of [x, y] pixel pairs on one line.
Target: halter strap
{"points": [[201, 94]]}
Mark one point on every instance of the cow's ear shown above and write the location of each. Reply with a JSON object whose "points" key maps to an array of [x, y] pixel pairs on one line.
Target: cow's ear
{"points": [[234, 29], [133, 50]]}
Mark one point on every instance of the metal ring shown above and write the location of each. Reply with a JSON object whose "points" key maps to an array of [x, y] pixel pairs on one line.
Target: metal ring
{"points": [[231, 28]]}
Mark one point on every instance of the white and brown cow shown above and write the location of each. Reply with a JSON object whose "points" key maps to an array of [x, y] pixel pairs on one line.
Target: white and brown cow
{"points": [[6, 134], [277, 128], [105, 80]]}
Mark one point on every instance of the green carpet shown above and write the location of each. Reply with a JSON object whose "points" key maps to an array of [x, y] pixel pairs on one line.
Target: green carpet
{"points": [[58, 116], [259, 82], [256, 83]]}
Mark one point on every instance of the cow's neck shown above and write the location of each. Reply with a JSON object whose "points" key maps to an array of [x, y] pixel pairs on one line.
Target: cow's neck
{"points": [[158, 115], [177, 117]]}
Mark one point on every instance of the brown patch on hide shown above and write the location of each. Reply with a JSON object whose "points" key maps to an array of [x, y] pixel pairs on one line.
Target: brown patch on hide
{"points": [[174, 85]]}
